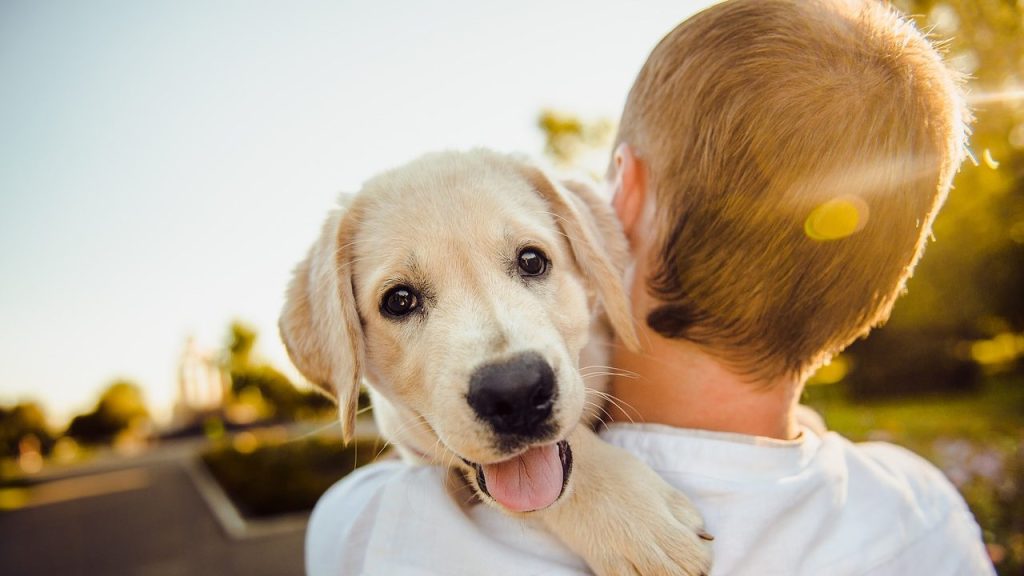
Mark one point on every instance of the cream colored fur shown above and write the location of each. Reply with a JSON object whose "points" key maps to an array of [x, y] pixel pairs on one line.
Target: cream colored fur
{"points": [[453, 223]]}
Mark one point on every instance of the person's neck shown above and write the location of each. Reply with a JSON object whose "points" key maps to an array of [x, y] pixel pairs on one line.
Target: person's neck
{"points": [[676, 383]]}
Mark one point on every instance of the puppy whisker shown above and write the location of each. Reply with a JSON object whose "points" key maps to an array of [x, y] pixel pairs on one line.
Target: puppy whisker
{"points": [[603, 375], [599, 407], [314, 432], [618, 371], [622, 405], [417, 420]]}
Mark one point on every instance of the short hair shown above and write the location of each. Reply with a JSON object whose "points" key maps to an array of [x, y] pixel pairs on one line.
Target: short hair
{"points": [[758, 120]]}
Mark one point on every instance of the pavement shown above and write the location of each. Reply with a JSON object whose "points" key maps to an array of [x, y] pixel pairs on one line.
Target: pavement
{"points": [[156, 513], [145, 516]]}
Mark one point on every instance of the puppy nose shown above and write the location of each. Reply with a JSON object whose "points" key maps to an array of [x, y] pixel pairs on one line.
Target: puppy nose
{"points": [[514, 396]]}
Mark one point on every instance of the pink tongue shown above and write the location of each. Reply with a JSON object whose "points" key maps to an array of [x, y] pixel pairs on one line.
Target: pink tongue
{"points": [[530, 481]]}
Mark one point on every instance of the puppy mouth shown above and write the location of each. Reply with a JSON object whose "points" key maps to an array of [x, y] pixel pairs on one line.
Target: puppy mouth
{"points": [[533, 480]]}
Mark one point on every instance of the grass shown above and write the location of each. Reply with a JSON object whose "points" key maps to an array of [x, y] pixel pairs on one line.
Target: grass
{"points": [[994, 414]]}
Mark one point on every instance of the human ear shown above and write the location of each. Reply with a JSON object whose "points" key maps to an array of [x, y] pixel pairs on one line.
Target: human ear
{"points": [[630, 190]]}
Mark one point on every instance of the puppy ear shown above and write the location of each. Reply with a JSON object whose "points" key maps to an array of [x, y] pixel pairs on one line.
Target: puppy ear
{"points": [[320, 325], [597, 244]]}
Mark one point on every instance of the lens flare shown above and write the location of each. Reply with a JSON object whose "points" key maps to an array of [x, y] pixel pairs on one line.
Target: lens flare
{"points": [[838, 218], [989, 160]]}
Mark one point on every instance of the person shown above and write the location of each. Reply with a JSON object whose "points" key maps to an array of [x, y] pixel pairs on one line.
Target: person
{"points": [[777, 169]]}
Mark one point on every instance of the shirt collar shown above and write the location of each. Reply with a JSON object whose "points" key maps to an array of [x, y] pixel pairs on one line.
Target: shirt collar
{"points": [[730, 455]]}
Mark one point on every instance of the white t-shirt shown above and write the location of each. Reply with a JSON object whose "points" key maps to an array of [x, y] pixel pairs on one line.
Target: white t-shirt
{"points": [[816, 506]]}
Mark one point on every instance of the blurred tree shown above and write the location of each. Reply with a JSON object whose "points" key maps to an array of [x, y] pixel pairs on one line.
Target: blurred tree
{"points": [[121, 407], [262, 386], [19, 422], [241, 339], [973, 277], [571, 142], [970, 285], [274, 388]]}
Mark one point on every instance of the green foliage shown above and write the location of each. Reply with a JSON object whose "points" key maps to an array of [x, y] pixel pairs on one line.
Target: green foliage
{"points": [[284, 400], [904, 361], [569, 140], [22, 421], [262, 385], [273, 386], [973, 275], [286, 477], [969, 285], [241, 340], [120, 407], [994, 414]]}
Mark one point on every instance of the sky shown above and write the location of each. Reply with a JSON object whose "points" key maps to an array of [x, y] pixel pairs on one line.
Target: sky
{"points": [[164, 165]]}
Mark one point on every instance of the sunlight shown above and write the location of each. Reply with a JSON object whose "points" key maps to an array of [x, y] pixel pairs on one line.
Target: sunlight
{"points": [[1010, 95], [1002, 349], [831, 372], [841, 195], [867, 178]]}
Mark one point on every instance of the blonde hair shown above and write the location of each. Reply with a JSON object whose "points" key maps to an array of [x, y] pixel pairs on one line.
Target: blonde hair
{"points": [[758, 120]]}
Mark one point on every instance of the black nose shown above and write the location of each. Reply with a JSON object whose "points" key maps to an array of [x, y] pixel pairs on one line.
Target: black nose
{"points": [[514, 396]]}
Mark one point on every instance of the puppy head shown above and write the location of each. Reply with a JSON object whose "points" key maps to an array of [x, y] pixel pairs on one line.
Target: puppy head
{"points": [[462, 286]]}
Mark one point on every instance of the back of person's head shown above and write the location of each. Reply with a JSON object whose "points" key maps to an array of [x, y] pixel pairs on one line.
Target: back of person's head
{"points": [[798, 151]]}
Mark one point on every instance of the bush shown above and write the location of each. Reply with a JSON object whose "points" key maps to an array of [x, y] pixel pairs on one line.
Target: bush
{"points": [[902, 362], [283, 400], [279, 478], [19, 423], [121, 407]]}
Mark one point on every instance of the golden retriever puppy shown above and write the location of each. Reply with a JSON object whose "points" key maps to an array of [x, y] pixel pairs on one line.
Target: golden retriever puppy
{"points": [[464, 289]]}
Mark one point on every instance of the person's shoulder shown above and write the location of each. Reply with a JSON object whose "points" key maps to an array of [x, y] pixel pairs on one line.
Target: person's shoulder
{"points": [[339, 512], [358, 488], [901, 470], [347, 514], [926, 507], [900, 462], [819, 504]]}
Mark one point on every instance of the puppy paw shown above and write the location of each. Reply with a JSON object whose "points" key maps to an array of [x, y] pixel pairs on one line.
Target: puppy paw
{"points": [[662, 535], [624, 520]]}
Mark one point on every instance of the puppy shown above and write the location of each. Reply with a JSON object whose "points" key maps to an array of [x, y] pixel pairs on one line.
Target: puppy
{"points": [[467, 289]]}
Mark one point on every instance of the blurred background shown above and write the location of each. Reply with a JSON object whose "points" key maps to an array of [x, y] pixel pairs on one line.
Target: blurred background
{"points": [[163, 166]]}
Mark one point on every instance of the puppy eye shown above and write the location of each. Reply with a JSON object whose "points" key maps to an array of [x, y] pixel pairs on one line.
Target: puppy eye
{"points": [[532, 262], [400, 301]]}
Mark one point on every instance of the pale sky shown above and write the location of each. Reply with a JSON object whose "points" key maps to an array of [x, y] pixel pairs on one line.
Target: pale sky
{"points": [[164, 165]]}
